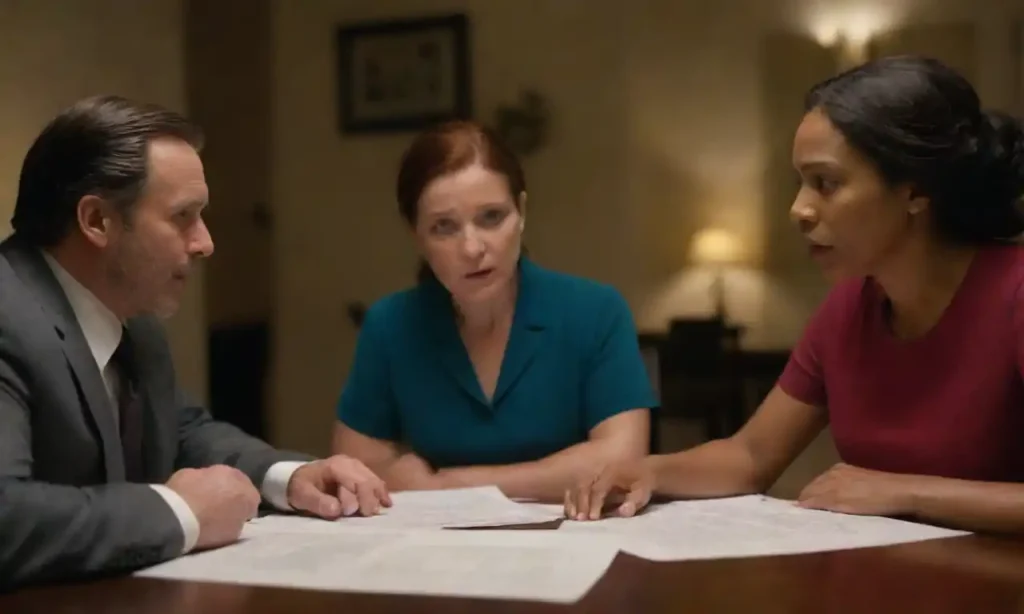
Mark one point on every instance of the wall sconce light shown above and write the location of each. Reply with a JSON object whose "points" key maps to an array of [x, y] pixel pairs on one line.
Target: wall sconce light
{"points": [[849, 33], [717, 249], [852, 51]]}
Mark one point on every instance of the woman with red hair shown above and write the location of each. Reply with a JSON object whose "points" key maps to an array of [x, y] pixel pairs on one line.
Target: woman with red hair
{"points": [[492, 370]]}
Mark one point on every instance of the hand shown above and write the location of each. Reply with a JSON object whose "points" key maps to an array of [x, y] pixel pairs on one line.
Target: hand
{"points": [[410, 472], [852, 490], [337, 486], [628, 485], [222, 499]]}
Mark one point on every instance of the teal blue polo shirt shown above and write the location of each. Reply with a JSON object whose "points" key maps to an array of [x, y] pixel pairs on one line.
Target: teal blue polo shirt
{"points": [[572, 361]]}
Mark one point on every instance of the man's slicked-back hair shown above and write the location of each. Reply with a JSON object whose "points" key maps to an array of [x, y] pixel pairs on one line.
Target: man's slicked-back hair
{"points": [[98, 146]]}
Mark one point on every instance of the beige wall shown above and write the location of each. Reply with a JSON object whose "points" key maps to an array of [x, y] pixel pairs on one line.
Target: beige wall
{"points": [[55, 52], [663, 117], [227, 62], [1018, 44]]}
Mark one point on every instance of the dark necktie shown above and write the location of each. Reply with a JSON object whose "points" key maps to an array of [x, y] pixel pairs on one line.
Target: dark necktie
{"points": [[129, 410]]}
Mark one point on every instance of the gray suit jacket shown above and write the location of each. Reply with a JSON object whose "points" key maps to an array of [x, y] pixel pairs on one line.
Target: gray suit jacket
{"points": [[66, 511]]}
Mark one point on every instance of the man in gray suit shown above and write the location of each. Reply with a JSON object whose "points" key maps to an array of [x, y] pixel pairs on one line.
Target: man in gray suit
{"points": [[105, 466]]}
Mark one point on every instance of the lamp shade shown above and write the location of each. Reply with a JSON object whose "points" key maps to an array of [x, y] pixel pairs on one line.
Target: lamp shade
{"points": [[715, 246]]}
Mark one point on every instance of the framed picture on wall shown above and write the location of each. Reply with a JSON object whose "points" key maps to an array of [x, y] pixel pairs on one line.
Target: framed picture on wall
{"points": [[403, 75]]}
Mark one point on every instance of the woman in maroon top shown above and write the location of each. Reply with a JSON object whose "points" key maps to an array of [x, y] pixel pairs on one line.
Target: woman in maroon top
{"points": [[909, 199]]}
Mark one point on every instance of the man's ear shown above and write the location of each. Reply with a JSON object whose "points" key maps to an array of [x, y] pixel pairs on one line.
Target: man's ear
{"points": [[94, 218]]}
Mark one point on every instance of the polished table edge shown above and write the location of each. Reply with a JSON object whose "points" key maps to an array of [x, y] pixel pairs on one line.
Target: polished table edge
{"points": [[969, 569]]}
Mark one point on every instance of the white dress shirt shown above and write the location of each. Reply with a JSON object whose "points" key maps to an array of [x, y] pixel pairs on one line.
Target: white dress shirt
{"points": [[102, 330]]}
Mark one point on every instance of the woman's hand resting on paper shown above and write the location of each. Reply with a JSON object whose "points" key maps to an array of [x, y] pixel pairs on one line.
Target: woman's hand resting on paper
{"points": [[626, 487]]}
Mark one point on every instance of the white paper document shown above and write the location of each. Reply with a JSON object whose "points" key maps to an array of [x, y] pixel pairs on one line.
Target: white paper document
{"points": [[748, 526], [553, 511], [467, 507], [522, 565]]}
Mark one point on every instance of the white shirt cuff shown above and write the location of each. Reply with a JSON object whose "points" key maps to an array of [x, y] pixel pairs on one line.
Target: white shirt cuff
{"points": [[275, 483], [186, 517]]}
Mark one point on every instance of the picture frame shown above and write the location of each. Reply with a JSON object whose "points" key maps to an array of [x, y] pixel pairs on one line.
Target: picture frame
{"points": [[403, 75]]}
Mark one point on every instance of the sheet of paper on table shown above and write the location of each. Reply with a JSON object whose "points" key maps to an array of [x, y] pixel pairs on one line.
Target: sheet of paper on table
{"points": [[522, 565], [748, 526], [465, 507], [554, 511]]}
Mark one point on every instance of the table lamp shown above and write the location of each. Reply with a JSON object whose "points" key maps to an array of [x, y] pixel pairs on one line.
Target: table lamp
{"points": [[717, 249]]}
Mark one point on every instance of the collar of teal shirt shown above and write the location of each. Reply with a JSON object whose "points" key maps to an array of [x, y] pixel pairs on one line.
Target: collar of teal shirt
{"points": [[529, 325]]}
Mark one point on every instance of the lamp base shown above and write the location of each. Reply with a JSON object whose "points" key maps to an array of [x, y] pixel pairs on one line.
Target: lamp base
{"points": [[718, 296]]}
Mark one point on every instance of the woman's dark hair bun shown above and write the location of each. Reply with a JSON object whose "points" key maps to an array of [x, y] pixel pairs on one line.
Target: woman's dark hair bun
{"points": [[1001, 148], [994, 184]]}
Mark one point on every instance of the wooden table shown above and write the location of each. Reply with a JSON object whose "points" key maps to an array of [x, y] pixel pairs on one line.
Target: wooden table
{"points": [[968, 574]]}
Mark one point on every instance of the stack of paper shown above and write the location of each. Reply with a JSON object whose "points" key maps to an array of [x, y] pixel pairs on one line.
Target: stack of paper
{"points": [[748, 526], [403, 551], [467, 507], [526, 565]]}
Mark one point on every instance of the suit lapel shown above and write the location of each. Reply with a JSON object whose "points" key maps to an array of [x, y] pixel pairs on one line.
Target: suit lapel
{"points": [[35, 273], [158, 425]]}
